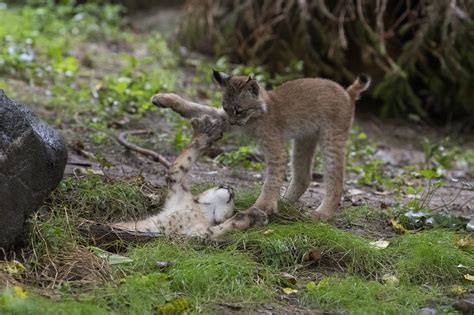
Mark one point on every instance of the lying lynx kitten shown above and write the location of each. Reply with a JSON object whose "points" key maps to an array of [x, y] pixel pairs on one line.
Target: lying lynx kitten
{"points": [[183, 213], [306, 111]]}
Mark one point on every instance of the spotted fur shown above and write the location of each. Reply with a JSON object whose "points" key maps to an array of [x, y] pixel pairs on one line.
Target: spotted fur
{"points": [[184, 213]]}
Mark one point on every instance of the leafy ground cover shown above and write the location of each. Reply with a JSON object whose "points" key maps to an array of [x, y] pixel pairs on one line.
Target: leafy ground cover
{"points": [[90, 71]]}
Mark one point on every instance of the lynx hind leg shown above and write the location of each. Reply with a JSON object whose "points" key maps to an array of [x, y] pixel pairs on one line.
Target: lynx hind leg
{"points": [[333, 150], [301, 166], [150, 224], [240, 221]]}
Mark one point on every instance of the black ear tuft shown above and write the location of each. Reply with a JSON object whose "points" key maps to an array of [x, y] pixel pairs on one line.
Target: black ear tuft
{"points": [[220, 77], [364, 78]]}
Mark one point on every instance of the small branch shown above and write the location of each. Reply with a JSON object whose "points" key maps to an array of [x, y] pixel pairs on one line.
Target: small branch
{"points": [[122, 139]]}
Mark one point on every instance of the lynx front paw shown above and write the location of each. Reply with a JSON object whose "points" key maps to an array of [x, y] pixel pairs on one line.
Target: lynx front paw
{"points": [[165, 100], [269, 207], [321, 216]]}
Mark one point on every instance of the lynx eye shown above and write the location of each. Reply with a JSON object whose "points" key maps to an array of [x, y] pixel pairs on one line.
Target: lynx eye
{"points": [[238, 112]]}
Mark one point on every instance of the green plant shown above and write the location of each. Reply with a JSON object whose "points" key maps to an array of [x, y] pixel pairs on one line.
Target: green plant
{"points": [[423, 196], [243, 156]]}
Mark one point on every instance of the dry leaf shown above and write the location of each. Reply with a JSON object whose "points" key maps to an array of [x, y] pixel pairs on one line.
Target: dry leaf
{"points": [[457, 290], [390, 279], [463, 242], [469, 277], [289, 291], [289, 278], [111, 258], [312, 255], [380, 244]]}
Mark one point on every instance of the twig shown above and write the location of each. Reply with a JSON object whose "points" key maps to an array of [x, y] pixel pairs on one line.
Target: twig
{"points": [[122, 139]]}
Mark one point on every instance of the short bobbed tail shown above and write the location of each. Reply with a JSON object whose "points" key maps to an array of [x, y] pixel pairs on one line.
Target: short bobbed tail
{"points": [[361, 84]]}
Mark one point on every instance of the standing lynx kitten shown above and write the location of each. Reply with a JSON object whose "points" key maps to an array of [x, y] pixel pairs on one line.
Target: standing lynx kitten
{"points": [[306, 111]]}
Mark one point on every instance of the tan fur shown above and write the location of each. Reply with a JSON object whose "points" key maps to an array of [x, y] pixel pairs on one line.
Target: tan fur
{"points": [[307, 111]]}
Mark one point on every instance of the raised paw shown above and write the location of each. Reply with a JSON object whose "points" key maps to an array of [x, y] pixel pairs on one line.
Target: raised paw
{"points": [[208, 129], [165, 100], [240, 221]]}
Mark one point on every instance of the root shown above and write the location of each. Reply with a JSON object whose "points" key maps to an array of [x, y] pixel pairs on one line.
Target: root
{"points": [[122, 139]]}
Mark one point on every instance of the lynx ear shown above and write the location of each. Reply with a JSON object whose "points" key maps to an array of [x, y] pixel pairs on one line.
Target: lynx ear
{"points": [[252, 86], [220, 77]]}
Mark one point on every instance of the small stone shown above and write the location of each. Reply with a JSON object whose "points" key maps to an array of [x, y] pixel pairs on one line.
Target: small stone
{"points": [[470, 225], [164, 264], [465, 306], [427, 311]]}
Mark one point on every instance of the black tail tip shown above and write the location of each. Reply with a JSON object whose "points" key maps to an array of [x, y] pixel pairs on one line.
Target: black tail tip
{"points": [[364, 78]]}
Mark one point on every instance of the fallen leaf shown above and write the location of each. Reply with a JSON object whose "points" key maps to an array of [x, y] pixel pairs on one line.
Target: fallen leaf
{"points": [[390, 279], [463, 242], [312, 255], [268, 232], [289, 291], [457, 290], [380, 244], [384, 205], [397, 227], [289, 278], [12, 267], [111, 258], [469, 277]]}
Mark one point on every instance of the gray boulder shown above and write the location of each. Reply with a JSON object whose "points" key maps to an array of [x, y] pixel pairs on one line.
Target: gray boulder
{"points": [[32, 161]]}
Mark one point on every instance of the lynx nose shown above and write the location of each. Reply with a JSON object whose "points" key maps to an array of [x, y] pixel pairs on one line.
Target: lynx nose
{"points": [[233, 121], [154, 99]]}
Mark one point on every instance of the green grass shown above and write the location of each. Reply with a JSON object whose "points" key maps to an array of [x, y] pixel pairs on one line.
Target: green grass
{"points": [[286, 245], [359, 296], [246, 271], [431, 257], [208, 275], [97, 198]]}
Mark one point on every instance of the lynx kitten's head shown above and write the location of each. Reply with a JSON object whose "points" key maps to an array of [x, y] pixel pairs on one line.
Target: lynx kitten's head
{"points": [[242, 99]]}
